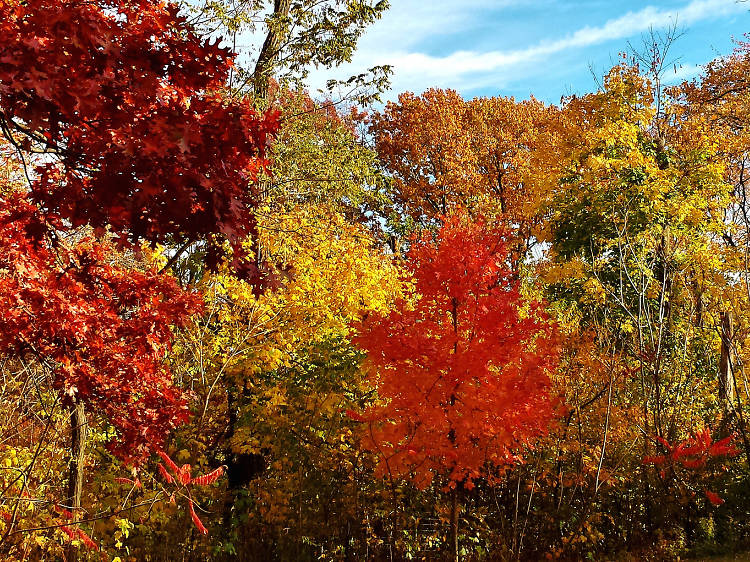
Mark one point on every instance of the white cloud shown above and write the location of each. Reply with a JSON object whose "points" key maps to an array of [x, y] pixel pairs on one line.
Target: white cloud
{"points": [[410, 22], [682, 72]]}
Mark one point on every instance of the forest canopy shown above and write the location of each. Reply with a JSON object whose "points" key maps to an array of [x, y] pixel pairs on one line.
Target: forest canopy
{"points": [[240, 320]]}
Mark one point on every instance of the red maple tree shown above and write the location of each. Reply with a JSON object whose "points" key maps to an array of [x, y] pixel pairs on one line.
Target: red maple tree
{"points": [[101, 329], [127, 105], [128, 100], [462, 371]]}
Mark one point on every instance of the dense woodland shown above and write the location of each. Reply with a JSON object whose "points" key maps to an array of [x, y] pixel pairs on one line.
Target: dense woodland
{"points": [[241, 321]]}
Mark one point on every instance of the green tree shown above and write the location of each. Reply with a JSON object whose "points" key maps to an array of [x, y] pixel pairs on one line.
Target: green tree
{"points": [[297, 35]]}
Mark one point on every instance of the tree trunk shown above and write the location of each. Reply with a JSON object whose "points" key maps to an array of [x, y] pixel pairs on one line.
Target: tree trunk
{"points": [[77, 450], [454, 524], [726, 379], [277, 32], [241, 467], [452, 437], [233, 478], [76, 464]]}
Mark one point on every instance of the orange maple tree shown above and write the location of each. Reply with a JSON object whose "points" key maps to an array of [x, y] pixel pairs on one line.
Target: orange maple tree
{"points": [[462, 370], [482, 154], [422, 144]]}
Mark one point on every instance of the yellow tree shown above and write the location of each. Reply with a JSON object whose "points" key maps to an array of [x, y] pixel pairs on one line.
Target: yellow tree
{"points": [[273, 372], [634, 231], [720, 97]]}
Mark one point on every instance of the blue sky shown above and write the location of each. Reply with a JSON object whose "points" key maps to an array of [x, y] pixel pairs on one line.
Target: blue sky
{"points": [[544, 47]]}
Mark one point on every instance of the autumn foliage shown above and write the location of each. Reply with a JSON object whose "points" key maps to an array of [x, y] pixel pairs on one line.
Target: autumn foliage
{"points": [[143, 145], [444, 152], [497, 329], [462, 369], [70, 306], [128, 100], [122, 136]]}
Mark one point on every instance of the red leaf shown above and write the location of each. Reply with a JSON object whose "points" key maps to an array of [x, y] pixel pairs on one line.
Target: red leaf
{"points": [[169, 462], [210, 478], [79, 534], [165, 474], [659, 459], [183, 475], [196, 520], [68, 531], [354, 415], [90, 544], [723, 447], [714, 498]]}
